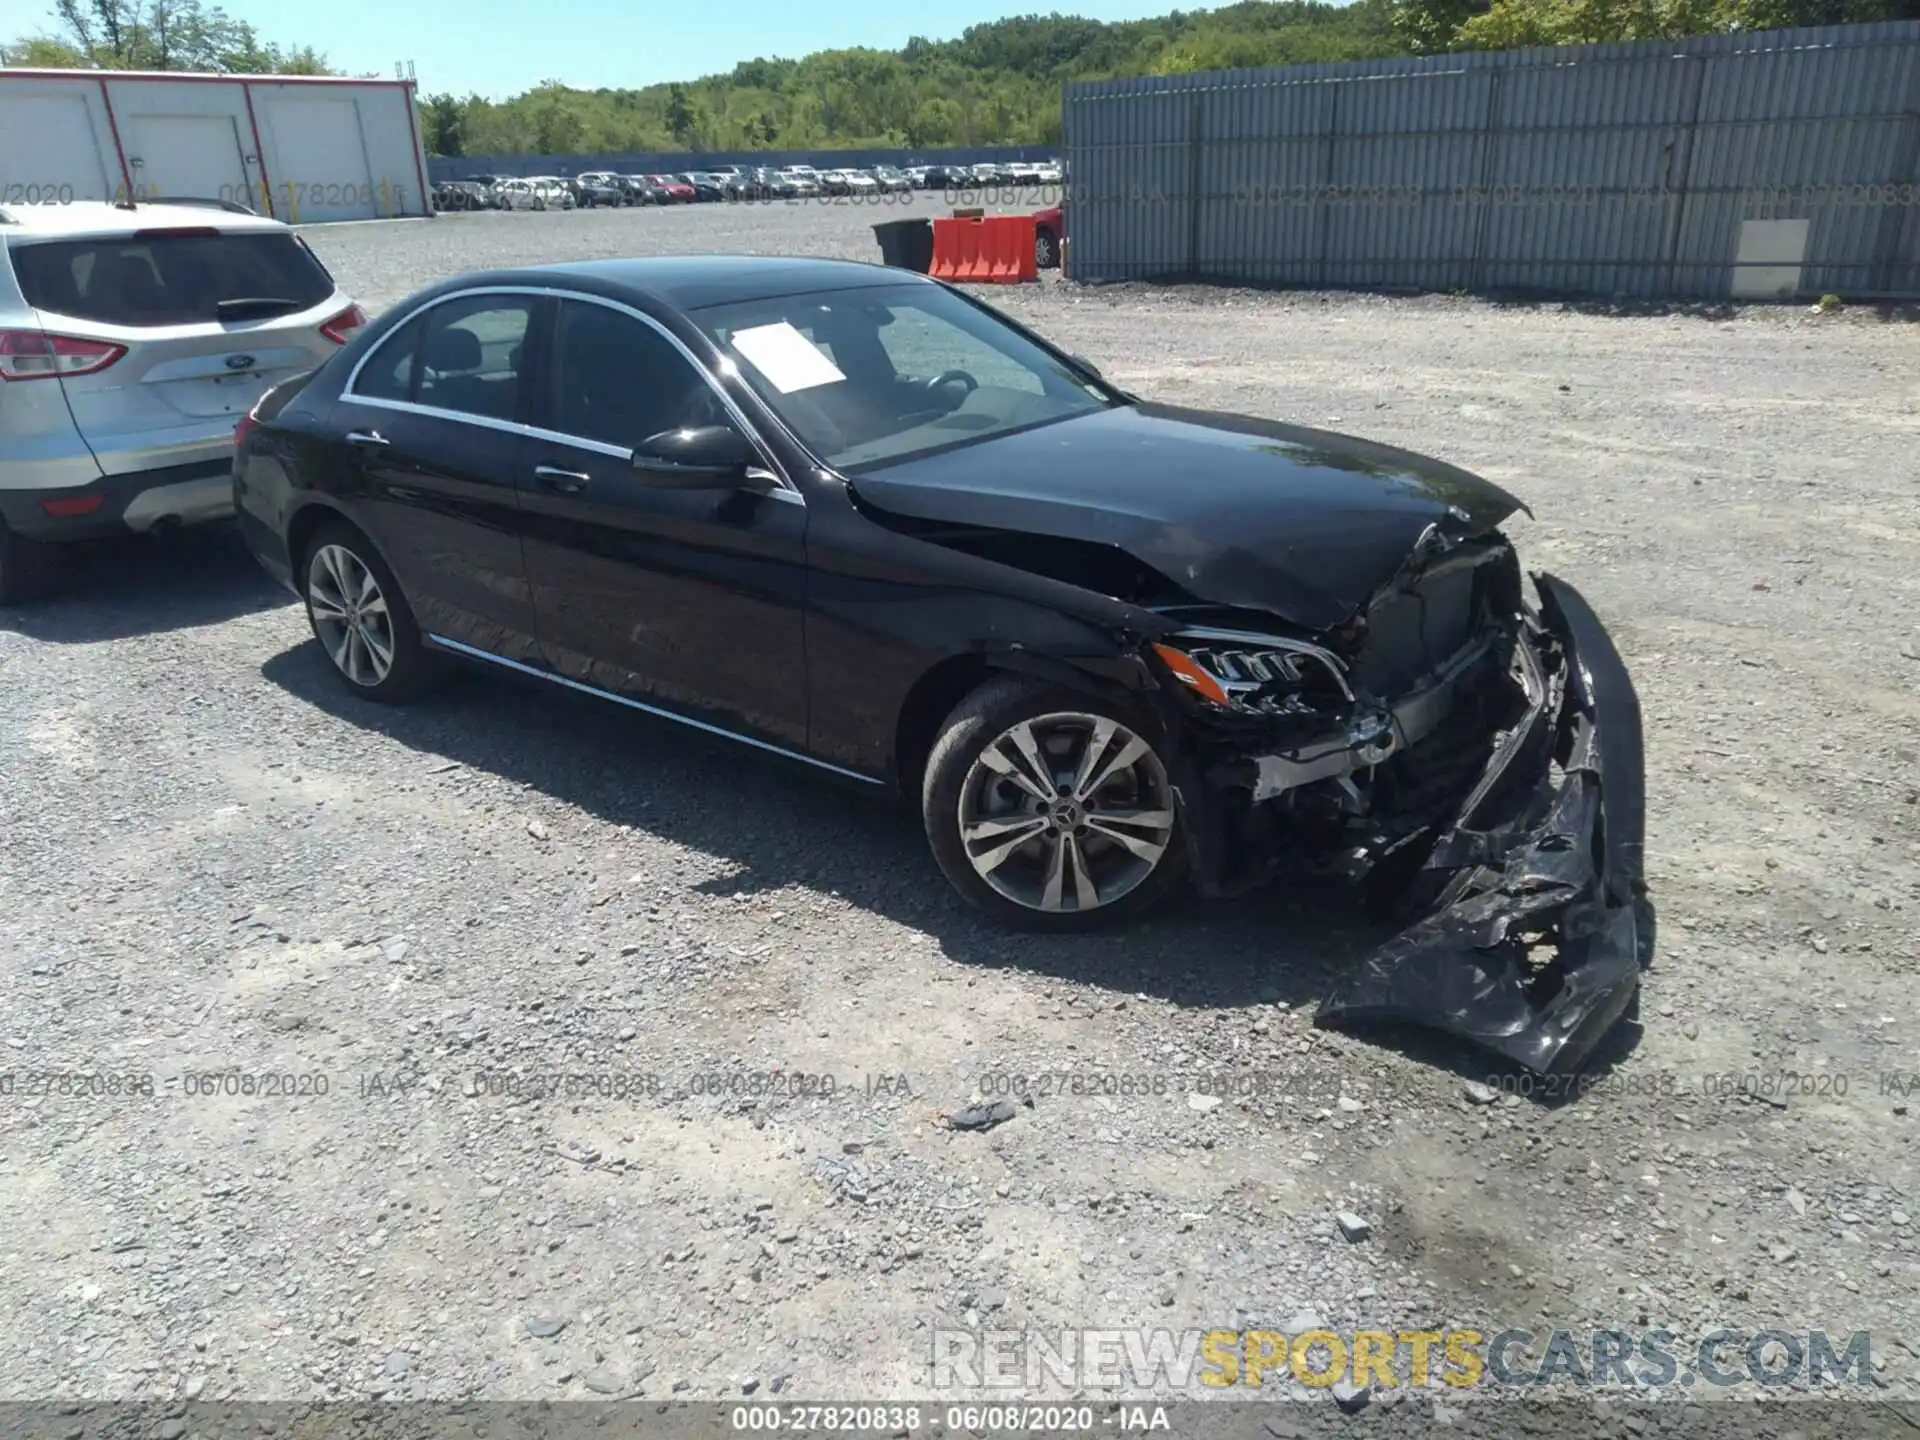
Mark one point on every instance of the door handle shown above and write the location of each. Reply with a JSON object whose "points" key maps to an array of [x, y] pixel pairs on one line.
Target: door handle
{"points": [[566, 481], [367, 439]]}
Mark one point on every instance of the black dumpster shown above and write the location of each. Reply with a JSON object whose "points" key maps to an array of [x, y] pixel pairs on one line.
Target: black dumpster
{"points": [[907, 244]]}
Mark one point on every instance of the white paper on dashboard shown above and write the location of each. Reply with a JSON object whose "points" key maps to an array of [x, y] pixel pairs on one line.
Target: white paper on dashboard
{"points": [[787, 358]]}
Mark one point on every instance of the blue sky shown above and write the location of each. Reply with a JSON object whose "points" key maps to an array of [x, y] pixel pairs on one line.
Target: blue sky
{"points": [[501, 47]]}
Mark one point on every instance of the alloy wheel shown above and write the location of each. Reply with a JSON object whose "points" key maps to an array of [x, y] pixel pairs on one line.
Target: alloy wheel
{"points": [[350, 615], [1066, 812]]}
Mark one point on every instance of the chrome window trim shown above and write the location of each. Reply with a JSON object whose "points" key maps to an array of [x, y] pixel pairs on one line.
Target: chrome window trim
{"points": [[787, 489], [476, 653]]}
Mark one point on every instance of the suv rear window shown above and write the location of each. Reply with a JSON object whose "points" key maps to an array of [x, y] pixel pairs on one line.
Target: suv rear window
{"points": [[167, 279]]}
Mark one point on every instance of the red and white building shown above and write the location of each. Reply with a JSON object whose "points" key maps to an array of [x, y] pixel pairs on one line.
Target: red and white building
{"points": [[300, 148]]}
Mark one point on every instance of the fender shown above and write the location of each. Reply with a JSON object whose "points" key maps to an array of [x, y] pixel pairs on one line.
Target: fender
{"points": [[1120, 679], [312, 509]]}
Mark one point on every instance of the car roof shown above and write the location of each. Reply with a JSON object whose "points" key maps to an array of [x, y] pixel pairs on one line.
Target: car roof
{"points": [[97, 217], [692, 282]]}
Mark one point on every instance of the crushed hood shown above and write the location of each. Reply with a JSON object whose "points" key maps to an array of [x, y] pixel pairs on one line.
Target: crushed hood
{"points": [[1236, 511]]}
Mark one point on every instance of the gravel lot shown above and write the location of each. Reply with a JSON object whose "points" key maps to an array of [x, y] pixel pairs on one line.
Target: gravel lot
{"points": [[214, 860]]}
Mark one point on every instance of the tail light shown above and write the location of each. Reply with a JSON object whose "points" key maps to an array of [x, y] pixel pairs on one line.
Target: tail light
{"points": [[68, 507], [341, 327], [36, 355]]}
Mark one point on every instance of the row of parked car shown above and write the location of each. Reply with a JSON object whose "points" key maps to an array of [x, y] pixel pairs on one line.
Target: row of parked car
{"points": [[733, 182]]}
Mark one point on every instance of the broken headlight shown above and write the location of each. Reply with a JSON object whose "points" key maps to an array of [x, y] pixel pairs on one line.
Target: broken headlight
{"points": [[1255, 674]]}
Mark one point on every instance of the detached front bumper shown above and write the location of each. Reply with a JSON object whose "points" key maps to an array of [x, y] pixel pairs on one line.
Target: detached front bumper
{"points": [[1541, 857]]}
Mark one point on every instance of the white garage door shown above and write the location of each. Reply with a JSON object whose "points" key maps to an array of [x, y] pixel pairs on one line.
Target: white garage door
{"points": [[318, 152], [49, 153], [188, 155]]}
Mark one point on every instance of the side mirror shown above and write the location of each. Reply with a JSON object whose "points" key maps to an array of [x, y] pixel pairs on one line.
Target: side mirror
{"points": [[699, 457]]}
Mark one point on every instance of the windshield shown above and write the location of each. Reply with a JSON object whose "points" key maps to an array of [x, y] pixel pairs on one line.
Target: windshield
{"points": [[873, 376]]}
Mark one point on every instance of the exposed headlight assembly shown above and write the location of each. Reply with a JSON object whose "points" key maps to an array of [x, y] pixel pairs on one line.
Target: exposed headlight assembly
{"points": [[1254, 674]]}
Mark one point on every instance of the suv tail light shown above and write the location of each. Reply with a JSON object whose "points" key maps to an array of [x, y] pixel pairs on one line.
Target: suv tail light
{"points": [[36, 355], [341, 327]]}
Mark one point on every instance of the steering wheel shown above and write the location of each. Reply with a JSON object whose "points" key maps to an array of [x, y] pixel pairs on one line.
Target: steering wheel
{"points": [[948, 377]]}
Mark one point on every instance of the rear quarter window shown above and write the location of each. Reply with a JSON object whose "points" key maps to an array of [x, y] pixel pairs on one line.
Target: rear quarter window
{"points": [[162, 279]]}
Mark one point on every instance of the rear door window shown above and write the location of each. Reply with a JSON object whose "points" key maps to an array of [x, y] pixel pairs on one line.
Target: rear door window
{"points": [[157, 278], [618, 381], [472, 355], [388, 373]]}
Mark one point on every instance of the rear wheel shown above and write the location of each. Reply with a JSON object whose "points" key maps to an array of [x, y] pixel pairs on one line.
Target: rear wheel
{"points": [[1050, 810], [26, 567], [1046, 250], [361, 618]]}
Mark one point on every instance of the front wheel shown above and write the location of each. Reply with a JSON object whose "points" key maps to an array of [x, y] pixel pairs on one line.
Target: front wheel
{"points": [[361, 618], [1050, 810], [1046, 250]]}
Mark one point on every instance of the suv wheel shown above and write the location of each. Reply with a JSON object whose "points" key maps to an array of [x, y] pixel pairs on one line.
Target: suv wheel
{"points": [[361, 618], [26, 567], [1050, 810]]}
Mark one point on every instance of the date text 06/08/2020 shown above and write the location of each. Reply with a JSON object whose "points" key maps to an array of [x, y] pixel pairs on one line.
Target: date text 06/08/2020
{"points": [[189, 1084]]}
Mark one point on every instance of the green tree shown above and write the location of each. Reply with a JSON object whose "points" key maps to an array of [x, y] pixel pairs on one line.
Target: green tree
{"points": [[160, 35], [43, 52], [556, 124], [1430, 26], [679, 113], [443, 121]]}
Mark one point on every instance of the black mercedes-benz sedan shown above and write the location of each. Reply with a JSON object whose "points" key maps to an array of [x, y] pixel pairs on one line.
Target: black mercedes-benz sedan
{"points": [[858, 518]]}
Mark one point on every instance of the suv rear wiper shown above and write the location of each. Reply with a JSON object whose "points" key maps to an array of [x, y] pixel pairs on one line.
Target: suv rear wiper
{"points": [[248, 307]]}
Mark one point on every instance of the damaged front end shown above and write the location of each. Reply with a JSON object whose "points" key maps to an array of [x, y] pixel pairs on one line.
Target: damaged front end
{"points": [[1467, 756]]}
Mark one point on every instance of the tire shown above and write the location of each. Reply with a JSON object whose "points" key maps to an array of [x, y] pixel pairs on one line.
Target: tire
{"points": [[961, 788], [1046, 250], [26, 567], [410, 670]]}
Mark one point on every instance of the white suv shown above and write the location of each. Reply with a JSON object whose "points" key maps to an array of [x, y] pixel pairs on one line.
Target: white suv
{"points": [[133, 338]]}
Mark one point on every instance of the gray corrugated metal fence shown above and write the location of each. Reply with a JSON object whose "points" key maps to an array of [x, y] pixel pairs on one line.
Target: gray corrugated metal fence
{"points": [[1777, 163]]}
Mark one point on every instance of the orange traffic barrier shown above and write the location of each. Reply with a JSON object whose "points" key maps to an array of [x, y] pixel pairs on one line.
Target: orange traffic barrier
{"points": [[993, 249], [1003, 266], [956, 251], [1012, 249]]}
